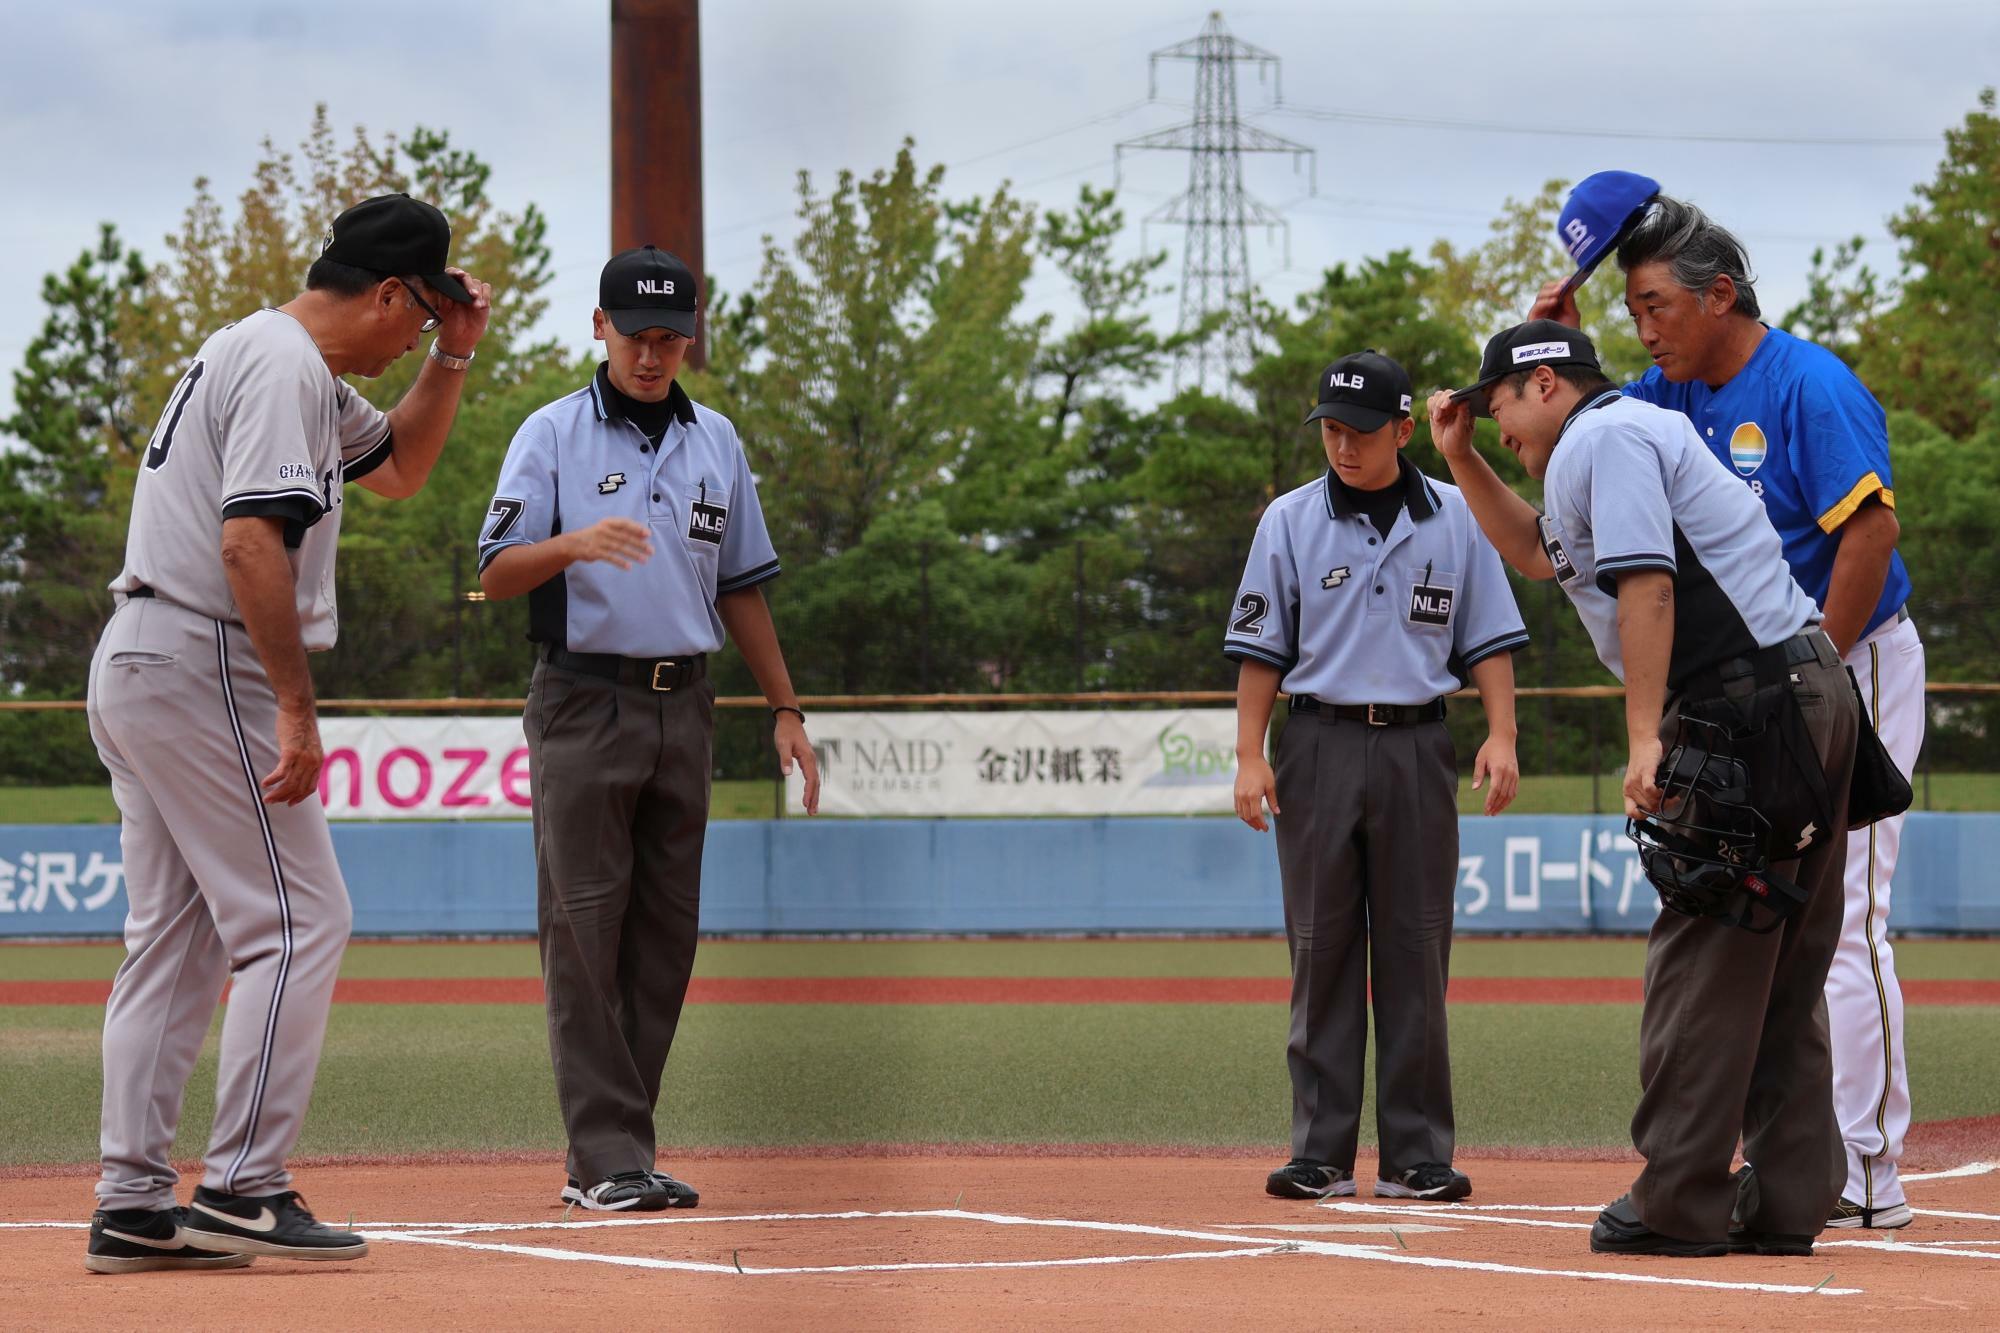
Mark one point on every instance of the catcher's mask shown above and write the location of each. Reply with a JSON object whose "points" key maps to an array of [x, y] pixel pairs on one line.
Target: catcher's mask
{"points": [[1703, 849]]}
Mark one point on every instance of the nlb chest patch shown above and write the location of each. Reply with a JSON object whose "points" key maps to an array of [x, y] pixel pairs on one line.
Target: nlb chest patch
{"points": [[706, 521], [1559, 560], [1430, 604]]}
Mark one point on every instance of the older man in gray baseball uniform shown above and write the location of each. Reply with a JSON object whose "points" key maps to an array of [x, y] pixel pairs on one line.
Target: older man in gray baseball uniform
{"points": [[201, 705], [1369, 595]]}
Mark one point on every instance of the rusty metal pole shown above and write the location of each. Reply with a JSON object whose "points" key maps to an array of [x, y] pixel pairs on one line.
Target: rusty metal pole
{"points": [[656, 136]]}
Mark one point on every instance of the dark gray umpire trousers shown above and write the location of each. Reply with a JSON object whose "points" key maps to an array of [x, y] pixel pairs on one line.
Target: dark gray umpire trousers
{"points": [[1733, 1037], [1368, 853], [620, 783]]}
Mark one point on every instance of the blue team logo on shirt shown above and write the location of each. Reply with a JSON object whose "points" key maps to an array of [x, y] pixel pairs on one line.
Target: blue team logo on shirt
{"points": [[1747, 447]]}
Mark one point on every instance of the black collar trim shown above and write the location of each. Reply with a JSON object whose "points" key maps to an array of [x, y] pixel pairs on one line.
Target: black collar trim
{"points": [[679, 405], [1419, 496]]}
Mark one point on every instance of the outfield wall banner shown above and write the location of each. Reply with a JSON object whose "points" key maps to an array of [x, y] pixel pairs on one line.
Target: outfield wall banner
{"points": [[1533, 874], [424, 768], [1100, 762]]}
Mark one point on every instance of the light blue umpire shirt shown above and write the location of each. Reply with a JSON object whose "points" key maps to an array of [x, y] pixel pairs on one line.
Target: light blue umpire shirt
{"points": [[1354, 617], [1632, 487], [579, 460]]}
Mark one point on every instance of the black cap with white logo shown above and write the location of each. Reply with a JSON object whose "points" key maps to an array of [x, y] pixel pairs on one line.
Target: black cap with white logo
{"points": [[1539, 342], [1363, 392], [647, 288], [398, 237]]}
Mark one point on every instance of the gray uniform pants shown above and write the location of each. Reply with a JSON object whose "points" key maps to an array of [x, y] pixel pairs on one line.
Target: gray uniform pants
{"points": [[1368, 854], [621, 784], [223, 888], [1733, 1036]]}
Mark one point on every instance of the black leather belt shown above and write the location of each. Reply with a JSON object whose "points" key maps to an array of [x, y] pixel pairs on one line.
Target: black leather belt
{"points": [[142, 591], [1375, 715], [664, 674]]}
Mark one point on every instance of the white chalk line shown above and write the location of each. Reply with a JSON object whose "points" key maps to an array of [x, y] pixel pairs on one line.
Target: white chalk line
{"points": [[1911, 1247], [1244, 1243], [1963, 1217], [1376, 1228], [1969, 1169], [1463, 1217], [752, 1270]]}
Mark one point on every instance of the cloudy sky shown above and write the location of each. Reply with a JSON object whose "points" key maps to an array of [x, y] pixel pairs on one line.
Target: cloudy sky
{"points": [[1798, 122]]}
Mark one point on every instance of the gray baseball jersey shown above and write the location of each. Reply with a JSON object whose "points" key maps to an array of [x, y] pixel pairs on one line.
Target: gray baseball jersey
{"points": [[257, 426], [577, 461], [1632, 487], [1354, 617]]}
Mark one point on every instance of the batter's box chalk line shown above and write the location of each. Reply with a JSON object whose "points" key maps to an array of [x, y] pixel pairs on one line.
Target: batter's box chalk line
{"points": [[1240, 1245]]}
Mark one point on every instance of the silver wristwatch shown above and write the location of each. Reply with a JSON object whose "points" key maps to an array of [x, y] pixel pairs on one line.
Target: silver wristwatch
{"points": [[447, 360]]}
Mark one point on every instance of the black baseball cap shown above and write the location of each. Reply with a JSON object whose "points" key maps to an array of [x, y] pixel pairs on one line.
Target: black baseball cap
{"points": [[1539, 342], [1364, 391], [396, 236], [647, 288]]}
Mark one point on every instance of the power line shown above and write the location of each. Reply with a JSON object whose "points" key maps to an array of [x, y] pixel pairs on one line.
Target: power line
{"points": [[1573, 132]]}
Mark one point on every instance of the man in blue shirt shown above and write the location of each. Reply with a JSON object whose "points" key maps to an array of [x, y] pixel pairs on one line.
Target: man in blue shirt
{"points": [[1368, 596], [1805, 435], [628, 515]]}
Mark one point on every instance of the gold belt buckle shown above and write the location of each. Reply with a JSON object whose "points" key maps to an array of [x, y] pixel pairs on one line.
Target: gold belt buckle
{"points": [[1375, 721], [658, 667]]}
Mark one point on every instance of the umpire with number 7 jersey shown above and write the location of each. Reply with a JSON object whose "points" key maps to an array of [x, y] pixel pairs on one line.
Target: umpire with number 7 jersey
{"points": [[627, 514]]}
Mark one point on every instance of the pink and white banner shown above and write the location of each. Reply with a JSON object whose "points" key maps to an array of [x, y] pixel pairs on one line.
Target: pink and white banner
{"points": [[424, 768]]}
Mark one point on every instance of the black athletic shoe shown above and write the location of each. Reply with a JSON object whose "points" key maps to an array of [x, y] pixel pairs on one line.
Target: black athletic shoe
{"points": [[1434, 1182], [679, 1193], [1301, 1179], [275, 1224], [1619, 1231], [148, 1240], [1749, 1240]]}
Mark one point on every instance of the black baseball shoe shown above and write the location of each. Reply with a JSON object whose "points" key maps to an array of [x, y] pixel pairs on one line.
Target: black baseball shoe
{"points": [[1302, 1179], [1848, 1214], [679, 1194], [1619, 1231], [148, 1240], [1433, 1182], [1747, 1239], [275, 1224]]}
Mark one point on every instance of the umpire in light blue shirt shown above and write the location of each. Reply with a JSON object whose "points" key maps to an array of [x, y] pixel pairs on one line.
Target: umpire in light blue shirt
{"points": [[628, 515], [1369, 595]]}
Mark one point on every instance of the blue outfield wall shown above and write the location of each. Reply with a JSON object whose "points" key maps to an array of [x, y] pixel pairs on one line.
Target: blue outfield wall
{"points": [[1527, 873]]}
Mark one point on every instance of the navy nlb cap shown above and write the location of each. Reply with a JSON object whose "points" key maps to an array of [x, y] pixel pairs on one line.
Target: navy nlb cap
{"points": [[647, 288], [396, 236], [1539, 342], [1364, 392], [1597, 215]]}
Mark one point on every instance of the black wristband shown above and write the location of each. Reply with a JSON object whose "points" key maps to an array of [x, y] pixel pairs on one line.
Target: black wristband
{"points": [[787, 708]]}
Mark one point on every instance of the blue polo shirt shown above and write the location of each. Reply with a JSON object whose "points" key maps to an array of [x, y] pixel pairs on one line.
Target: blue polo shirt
{"points": [[579, 460], [1809, 440], [1351, 616]]}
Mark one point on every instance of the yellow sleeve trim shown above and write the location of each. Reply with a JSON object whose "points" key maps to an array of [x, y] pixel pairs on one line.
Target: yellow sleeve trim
{"points": [[1867, 486]]}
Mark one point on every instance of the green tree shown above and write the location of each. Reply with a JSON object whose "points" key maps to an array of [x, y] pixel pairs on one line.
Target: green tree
{"points": [[1937, 350], [1843, 298], [118, 334]]}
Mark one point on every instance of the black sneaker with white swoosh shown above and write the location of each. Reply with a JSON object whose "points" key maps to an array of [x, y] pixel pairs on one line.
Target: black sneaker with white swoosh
{"points": [[278, 1225], [148, 1240]]}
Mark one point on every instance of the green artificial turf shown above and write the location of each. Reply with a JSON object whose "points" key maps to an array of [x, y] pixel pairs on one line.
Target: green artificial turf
{"points": [[397, 1079], [1975, 960]]}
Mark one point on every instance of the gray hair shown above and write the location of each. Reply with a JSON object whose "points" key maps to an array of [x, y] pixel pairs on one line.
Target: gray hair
{"points": [[1695, 248]]}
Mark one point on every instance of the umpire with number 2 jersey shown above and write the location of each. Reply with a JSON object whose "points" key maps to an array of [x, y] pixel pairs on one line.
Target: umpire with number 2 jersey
{"points": [[627, 513], [1369, 595]]}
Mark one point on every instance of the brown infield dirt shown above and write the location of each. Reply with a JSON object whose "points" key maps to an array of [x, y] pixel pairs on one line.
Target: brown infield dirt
{"points": [[1082, 1241], [978, 990]]}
